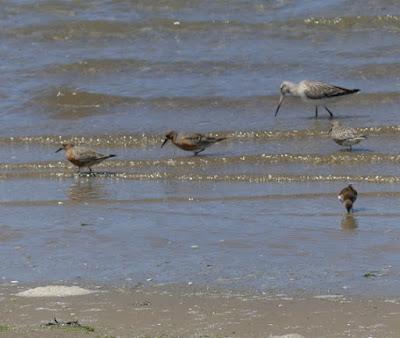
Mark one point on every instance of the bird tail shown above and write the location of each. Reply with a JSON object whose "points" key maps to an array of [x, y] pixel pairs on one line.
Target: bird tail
{"points": [[219, 139], [361, 137], [344, 91], [106, 157], [352, 91]]}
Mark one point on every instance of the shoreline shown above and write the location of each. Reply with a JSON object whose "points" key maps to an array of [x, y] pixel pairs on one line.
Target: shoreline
{"points": [[184, 311]]}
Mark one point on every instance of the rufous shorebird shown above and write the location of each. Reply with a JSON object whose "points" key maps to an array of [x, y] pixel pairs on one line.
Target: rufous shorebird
{"points": [[82, 156], [191, 142], [315, 92], [348, 196]]}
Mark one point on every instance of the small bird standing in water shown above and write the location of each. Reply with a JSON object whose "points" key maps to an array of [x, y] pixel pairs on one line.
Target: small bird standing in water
{"points": [[348, 196], [82, 156], [191, 142], [314, 92], [345, 136]]}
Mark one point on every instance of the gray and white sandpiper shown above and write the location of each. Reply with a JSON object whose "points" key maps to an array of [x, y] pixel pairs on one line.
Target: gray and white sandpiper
{"points": [[191, 142], [348, 196], [82, 156], [315, 92], [345, 136]]}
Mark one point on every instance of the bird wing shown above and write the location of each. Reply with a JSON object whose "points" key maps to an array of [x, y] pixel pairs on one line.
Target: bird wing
{"points": [[343, 192], [319, 90], [355, 193], [347, 133], [86, 154], [193, 139], [198, 140], [208, 140]]}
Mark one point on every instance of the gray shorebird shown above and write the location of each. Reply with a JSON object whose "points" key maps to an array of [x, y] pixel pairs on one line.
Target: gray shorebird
{"points": [[82, 156], [345, 136], [317, 93], [348, 196], [191, 142]]}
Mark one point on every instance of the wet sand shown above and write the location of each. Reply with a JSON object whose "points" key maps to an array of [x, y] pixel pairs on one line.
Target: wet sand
{"points": [[187, 311]]}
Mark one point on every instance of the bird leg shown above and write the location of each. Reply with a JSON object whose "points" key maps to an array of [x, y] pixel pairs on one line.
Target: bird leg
{"points": [[316, 112], [91, 172], [330, 113], [197, 152]]}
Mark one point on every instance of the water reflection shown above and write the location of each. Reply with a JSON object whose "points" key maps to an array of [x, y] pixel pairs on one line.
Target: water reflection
{"points": [[85, 190], [349, 222]]}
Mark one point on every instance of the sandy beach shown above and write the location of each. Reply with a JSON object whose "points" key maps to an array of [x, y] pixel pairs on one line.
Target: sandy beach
{"points": [[187, 311]]}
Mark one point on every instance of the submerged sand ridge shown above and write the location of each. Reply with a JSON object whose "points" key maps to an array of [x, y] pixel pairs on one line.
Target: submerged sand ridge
{"points": [[54, 291]]}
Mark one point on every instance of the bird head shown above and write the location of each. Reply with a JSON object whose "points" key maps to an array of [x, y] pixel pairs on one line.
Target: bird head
{"points": [[65, 146], [334, 124], [169, 136], [285, 89]]}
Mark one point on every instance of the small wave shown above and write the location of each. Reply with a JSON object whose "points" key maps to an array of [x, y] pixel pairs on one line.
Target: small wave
{"points": [[63, 100], [243, 178], [101, 66], [194, 163], [106, 29], [391, 22], [144, 140], [384, 70], [68, 103], [68, 97]]}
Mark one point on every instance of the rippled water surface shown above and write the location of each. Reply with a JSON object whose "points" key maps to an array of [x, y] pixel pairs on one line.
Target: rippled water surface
{"points": [[258, 210]]}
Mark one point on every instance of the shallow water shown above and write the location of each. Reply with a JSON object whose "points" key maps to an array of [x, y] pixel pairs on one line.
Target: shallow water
{"points": [[258, 210]]}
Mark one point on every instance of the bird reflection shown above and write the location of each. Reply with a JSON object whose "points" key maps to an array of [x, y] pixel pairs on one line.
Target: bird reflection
{"points": [[85, 190], [349, 222]]}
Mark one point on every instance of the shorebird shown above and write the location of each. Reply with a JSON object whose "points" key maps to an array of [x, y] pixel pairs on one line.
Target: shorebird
{"points": [[348, 196], [314, 92], [82, 156], [191, 142], [345, 136]]}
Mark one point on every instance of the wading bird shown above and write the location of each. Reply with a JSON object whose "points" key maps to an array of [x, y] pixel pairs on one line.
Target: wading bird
{"points": [[345, 136], [82, 156], [348, 196], [317, 93], [191, 142]]}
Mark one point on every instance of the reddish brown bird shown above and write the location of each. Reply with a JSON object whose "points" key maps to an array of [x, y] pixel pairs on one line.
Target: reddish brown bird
{"points": [[348, 196], [82, 156], [191, 142]]}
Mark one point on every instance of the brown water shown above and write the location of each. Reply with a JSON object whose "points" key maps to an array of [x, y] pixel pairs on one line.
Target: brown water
{"points": [[256, 211]]}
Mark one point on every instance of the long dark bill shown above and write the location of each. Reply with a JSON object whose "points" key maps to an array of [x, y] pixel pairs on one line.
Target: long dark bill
{"points": [[279, 105], [59, 150], [165, 141]]}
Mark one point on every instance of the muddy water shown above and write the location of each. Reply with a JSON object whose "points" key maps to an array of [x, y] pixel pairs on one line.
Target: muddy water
{"points": [[256, 211]]}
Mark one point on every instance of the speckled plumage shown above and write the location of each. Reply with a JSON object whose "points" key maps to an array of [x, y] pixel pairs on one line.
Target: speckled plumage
{"points": [[345, 136]]}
